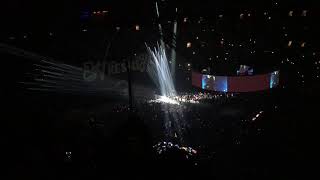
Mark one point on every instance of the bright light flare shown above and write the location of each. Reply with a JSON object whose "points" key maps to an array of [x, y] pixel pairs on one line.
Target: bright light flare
{"points": [[178, 100], [165, 99]]}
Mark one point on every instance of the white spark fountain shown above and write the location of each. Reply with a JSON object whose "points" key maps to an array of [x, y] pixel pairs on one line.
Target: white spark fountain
{"points": [[159, 71]]}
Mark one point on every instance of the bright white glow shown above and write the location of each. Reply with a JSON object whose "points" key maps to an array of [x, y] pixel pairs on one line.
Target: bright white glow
{"points": [[168, 100], [137, 27], [176, 100]]}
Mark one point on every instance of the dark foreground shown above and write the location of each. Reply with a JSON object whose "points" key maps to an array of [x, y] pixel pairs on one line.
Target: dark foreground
{"points": [[55, 138]]}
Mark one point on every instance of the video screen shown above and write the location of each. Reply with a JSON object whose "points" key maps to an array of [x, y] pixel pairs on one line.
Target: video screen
{"points": [[274, 79], [245, 70], [215, 83]]}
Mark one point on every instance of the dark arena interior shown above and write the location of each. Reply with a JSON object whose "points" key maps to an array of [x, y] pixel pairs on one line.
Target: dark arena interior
{"points": [[102, 89]]}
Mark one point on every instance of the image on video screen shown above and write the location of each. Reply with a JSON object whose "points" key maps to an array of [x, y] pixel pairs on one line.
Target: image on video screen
{"points": [[215, 83], [274, 79]]}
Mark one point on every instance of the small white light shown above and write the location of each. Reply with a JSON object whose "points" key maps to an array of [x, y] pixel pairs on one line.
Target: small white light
{"points": [[137, 27], [304, 13], [185, 19], [290, 13]]}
